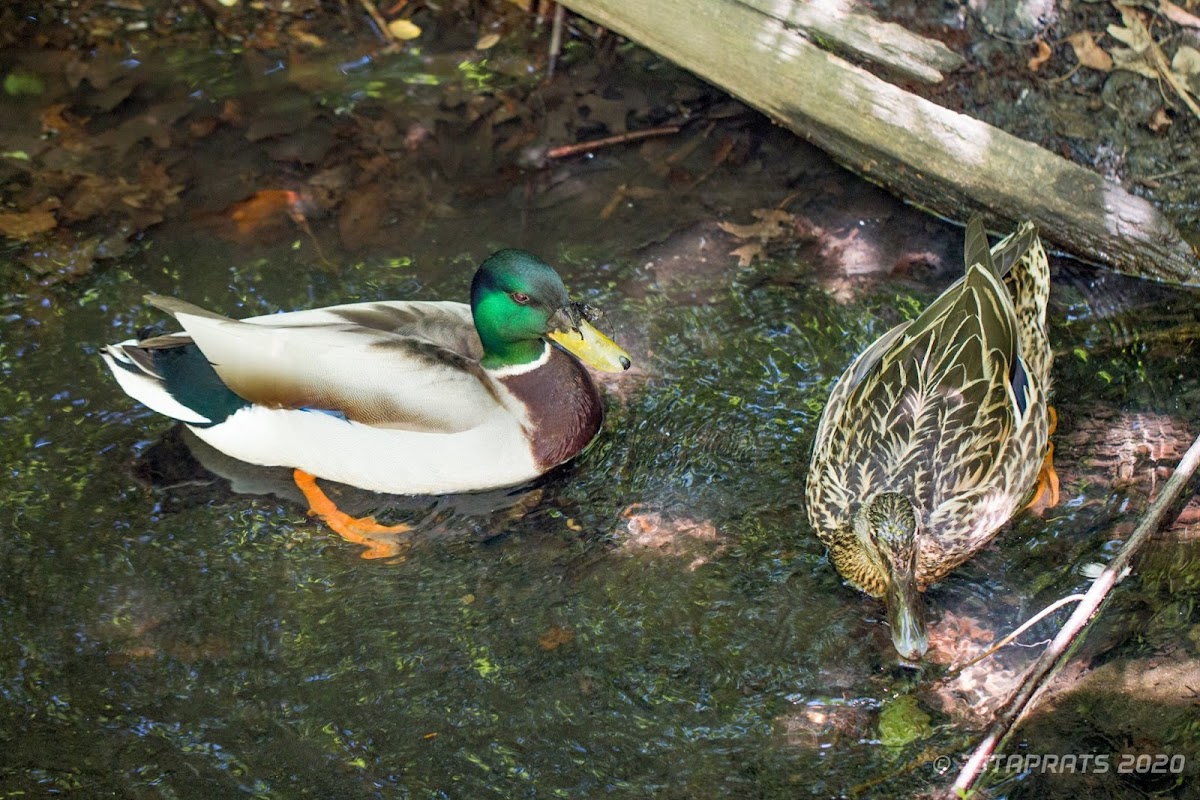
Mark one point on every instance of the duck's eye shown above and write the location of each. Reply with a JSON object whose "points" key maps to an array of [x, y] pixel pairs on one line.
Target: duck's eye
{"points": [[520, 298]]}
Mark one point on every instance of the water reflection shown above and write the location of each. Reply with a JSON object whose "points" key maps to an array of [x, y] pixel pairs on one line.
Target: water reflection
{"points": [[655, 618]]}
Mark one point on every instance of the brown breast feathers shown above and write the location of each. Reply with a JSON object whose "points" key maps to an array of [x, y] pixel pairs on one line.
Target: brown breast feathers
{"points": [[564, 407]]}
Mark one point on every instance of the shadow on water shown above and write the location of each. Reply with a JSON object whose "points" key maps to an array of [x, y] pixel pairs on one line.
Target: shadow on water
{"points": [[654, 618]]}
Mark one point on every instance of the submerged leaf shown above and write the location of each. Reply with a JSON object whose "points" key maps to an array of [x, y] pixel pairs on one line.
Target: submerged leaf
{"points": [[264, 208], [23, 84], [772, 223], [747, 253], [24, 224], [903, 722], [555, 638]]}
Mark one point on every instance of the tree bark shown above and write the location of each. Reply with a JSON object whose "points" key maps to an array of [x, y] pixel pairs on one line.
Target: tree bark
{"points": [[839, 27]]}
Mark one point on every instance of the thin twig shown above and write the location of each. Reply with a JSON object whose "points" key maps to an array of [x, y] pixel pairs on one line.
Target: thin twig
{"points": [[1055, 656], [556, 37], [1026, 625], [379, 21], [621, 138]]}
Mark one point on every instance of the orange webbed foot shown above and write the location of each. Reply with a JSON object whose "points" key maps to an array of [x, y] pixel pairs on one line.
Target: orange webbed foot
{"points": [[381, 541], [1047, 480]]}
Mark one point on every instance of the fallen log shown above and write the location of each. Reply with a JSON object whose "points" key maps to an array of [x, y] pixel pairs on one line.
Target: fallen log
{"points": [[839, 27], [949, 163]]}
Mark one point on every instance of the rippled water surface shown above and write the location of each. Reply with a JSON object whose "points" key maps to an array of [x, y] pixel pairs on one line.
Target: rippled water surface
{"points": [[655, 618]]}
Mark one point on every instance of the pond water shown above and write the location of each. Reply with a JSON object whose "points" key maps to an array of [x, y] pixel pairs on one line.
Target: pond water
{"points": [[654, 618]]}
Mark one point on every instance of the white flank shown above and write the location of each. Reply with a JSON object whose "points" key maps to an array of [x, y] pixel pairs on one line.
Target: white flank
{"points": [[387, 460]]}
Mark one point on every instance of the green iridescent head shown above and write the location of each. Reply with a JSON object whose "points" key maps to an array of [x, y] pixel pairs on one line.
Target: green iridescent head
{"points": [[518, 301]]}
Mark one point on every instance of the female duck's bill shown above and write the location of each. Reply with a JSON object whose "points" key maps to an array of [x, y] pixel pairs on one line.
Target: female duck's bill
{"points": [[888, 526]]}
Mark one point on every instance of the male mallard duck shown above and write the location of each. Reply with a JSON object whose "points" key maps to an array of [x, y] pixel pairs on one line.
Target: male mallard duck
{"points": [[395, 397], [934, 436]]}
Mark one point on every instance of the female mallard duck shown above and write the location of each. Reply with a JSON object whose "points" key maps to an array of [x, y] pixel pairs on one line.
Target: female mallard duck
{"points": [[396, 397], [934, 436]]}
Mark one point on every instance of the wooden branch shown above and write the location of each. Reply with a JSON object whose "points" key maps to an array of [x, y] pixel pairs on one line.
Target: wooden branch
{"points": [[380, 22], [836, 25], [946, 162], [1054, 656], [566, 150]]}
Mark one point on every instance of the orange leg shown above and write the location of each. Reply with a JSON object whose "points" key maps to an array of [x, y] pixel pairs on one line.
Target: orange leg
{"points": [[380, 540], [1048, 479]]}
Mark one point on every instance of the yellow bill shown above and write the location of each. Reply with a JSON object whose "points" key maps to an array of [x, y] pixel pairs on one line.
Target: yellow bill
{"points": [[592, 347]]}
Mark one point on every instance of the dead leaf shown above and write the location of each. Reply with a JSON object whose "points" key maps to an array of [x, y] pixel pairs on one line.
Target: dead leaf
{"points": [[748, 252], [404, 29], [1186, 62], [304, 36], [772, 223], [488, 41], [203, 127], [1145, 57], [263, 209], [66, 126], [1160, 121], [1133, 61], [655, 532], [153, 177], [326, 187], [555, 638], [1134, 33], [66, 258], [957, 639], [1178, 15], [26, 224], [1088, 53], [1135, 57], [1043, 55], [233, 113], [92, 195]]}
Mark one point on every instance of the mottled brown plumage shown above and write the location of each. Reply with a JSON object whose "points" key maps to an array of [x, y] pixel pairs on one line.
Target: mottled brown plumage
{"points": [[948, 413]]}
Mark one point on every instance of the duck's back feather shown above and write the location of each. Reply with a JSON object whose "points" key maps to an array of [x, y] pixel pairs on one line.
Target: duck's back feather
{"points": [[947, 410], [408, 366]]}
